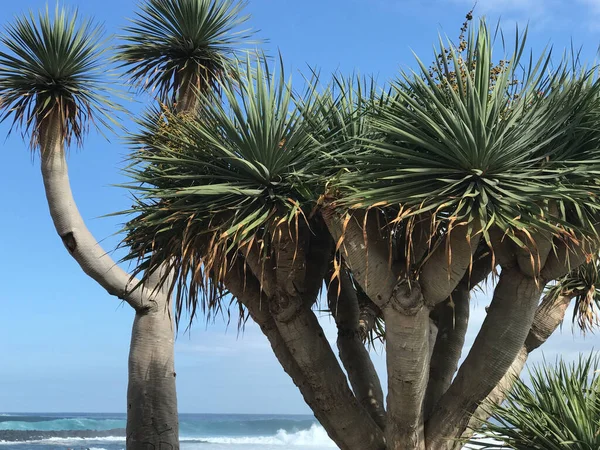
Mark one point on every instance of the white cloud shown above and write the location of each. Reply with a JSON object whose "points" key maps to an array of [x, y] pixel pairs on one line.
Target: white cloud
{"points": [[539, 13], [593, 5], [223, 342]]}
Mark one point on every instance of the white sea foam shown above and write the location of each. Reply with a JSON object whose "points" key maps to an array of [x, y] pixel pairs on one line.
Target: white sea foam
{"points": [[482, 441], [313, 437], [71, 441], [78, 439]]}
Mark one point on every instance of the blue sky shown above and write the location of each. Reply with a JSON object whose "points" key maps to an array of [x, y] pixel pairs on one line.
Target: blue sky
{"points": [[64, 342]]}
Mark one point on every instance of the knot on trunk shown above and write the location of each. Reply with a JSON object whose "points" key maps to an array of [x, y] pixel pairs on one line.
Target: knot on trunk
{"points": [[285, 307], [69, 241], [407, 297]]}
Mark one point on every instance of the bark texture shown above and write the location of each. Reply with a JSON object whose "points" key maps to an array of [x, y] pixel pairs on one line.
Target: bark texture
{"points": [[497, 345], [407, 357], [69, 224], [303, 351], [447, 264], [353, 354], [247, 289], [152, 422], [548, 317], [453, 321], [308, 345]]}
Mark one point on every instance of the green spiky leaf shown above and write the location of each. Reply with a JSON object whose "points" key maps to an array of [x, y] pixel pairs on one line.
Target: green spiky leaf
{"points": [[170, 41], [54, 64]]}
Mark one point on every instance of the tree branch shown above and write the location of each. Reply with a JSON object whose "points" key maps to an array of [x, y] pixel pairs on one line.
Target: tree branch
{"points": [[347, 422], [497, 345], [246, 288], [452, 319], [447, 264], [366, 253], [563, 257], [355, 357], [71, 228], [548, 317], [308, 345], [318, 260]]}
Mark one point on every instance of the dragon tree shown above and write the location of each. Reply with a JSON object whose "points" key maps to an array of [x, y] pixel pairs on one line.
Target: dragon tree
{"points": [[393, 204]]}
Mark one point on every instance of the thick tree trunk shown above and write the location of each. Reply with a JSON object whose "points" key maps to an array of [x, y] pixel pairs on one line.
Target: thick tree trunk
{"points": [[152, 421], [497, 345], [407, 352], [306, 341], [152, 404], [453, 321], [548, 317]]}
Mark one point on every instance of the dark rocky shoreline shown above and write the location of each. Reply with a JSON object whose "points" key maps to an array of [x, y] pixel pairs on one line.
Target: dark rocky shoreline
{"points": [[23, 436]]}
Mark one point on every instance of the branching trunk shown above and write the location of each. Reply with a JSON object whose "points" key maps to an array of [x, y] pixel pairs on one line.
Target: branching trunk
{"points": [[71, 228], [548, 317], [152, 421], [301, 348], [406, 306], [308, 345], [355, 357], [453, 320], [447, 264], [497, 345]]}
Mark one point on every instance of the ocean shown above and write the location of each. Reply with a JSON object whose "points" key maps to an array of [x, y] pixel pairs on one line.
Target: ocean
{"points": [[197, 431]]}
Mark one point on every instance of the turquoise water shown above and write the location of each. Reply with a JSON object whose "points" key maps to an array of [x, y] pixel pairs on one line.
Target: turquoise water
{"points": [[197, 431]]}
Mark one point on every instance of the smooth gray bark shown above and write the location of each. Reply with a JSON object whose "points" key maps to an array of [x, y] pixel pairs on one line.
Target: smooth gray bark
{"points": [[303, 335], [152, 421], [497, 345], [453, 321], [447, 264], [304, 353], [407, 357], [69, 224], [548, 317], [248, 292], [406, 305], [152, 402]]}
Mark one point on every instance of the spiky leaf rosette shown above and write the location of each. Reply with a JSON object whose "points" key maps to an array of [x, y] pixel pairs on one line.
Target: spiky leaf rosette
{"points": [[520, 156], [559, 408], [583, 284], [340, 112], [170, 41], [54, 65], [212, 185]]}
